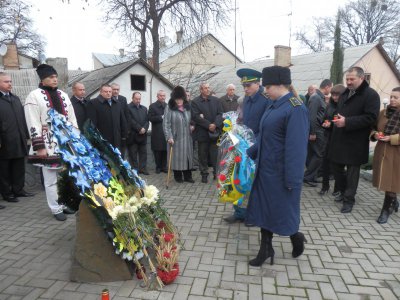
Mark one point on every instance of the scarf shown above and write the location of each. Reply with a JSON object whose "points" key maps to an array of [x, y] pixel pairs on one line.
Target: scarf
{"points": [[393, 124], [55, 100]]}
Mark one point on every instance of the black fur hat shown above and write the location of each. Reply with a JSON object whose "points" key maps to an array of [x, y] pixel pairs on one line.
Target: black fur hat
{"points": [[45, 71], [276, 75], [178, 93]]}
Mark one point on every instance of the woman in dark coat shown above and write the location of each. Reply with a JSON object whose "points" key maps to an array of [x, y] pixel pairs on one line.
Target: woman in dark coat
{"points": [[280, 152], [177, 132], [330, 112], [385, 166]]}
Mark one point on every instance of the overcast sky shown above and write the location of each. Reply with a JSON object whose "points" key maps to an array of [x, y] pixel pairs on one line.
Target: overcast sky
{"points": [[75, 33]]}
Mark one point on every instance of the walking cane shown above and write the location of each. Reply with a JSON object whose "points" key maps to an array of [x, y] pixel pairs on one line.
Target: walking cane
{"points": [[169, 166]]}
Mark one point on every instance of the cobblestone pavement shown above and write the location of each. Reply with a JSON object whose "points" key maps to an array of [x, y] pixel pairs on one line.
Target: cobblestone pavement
{"points": [[347, 256]]}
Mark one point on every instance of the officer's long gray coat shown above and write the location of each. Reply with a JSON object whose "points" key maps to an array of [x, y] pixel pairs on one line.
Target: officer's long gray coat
{"points": [[176, 125]]}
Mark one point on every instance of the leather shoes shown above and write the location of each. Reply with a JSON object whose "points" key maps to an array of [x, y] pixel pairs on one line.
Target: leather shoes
{"points": [[60, 216], [68, 211], [232, 219], [204, 179], [334, 194], [339, 197], [190, 180], [23, 193], [144, 172], [10, 198], [248, 224], [2, 206], [158, 171], [164, 170], [309, 183], [346, 208]]}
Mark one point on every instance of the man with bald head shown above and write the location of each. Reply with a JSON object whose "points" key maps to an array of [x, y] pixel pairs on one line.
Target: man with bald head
{"points": [[79, 103], [230, 100]]}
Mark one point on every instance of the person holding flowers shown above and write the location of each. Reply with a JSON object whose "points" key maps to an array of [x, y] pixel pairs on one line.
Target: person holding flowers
{"points": [[386, 162], [280, 153]]}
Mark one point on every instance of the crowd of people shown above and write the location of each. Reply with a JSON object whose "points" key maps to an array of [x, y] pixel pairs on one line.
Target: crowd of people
{"points": [[299, 139]]}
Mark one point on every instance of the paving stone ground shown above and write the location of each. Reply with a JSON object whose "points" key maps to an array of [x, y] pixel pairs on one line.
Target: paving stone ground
{"points": [[347, 256]]}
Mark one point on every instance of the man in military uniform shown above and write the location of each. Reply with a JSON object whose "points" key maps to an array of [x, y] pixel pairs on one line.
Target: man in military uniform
{"points": [[280, 152], [253, 107]]}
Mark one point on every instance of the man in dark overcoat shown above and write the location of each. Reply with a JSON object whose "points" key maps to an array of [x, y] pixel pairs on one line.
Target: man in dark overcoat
{"points": [[107, 115], [280, 153], [229, 101], [158, 142], [137, 141], [116, 89], [79, 103], [316, 140], [358, 110], [207, 116], [253, 107], [13, 143]]}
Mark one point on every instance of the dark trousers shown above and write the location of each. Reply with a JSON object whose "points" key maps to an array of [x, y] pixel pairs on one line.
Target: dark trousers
{"points": [[208, 152], [124, 151], [347, 181], [315, 154], [136, 150], [160, 158], [195, 155], [12, 175]]}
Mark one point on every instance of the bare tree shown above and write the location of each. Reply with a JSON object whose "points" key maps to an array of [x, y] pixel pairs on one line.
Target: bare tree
{"points": [[16, 26], [321, 37], [361, 22], [143, 20]]}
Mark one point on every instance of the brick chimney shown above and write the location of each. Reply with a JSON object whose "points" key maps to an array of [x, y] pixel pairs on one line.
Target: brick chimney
{"points": [[10, 59], [282, 56]]}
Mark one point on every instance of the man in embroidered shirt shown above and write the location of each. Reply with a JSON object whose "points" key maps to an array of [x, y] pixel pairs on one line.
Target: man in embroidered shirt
{"points": [[42, 152]]}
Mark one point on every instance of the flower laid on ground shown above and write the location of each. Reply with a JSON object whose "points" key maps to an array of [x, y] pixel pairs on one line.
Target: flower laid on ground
{"points": [[130, 210]]}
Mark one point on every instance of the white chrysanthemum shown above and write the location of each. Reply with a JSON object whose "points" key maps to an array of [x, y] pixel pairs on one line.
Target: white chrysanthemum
{"points": [[151, 192]]}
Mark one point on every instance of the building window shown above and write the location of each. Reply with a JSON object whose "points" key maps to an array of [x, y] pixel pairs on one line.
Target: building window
{"points": [[138, 82], [367, 77]]}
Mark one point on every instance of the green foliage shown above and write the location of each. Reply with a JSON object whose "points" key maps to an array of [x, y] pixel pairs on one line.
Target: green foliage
{"points": [[337, 62]]}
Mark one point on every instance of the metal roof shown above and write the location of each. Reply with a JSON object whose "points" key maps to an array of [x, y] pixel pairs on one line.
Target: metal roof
{"points": [[306, 69], [108, 60]]}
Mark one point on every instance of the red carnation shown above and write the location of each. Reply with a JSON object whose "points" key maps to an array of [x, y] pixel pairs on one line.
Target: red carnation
{"points": [[222, 177], [161, 225], [231, 148], [168, 237], [218, 186], [236, 181], [222, 162], [238, 159], [167, 255]]}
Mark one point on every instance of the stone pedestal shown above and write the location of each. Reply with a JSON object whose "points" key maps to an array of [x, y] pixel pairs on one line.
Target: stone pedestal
{"points": [[94, 259]]}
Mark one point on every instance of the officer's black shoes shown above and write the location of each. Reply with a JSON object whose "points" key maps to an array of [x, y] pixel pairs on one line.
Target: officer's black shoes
{"points": [[266, 251], [346, 208], [298, 239], [204, 178], [335, 193], [190, 180], [60, 216], [309, 183], [2, 206]]}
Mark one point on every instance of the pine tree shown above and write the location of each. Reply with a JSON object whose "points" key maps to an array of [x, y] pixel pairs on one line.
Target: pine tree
{"points": [[337, 62]]}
